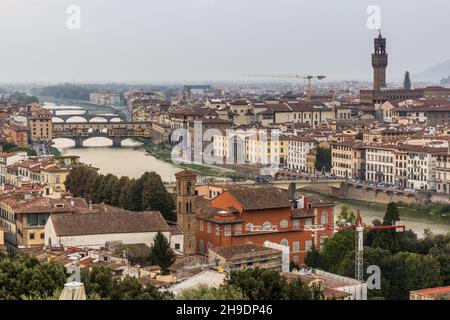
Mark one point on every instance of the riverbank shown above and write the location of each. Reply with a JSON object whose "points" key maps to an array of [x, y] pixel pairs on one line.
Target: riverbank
{"points": [[416, 217], [161, 153]]}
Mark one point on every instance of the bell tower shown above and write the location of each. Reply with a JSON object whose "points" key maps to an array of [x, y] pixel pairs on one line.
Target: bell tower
{"points": [[379, 63], [186, 209]]}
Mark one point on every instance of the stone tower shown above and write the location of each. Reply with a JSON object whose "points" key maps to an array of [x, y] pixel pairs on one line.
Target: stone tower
{"points": [[186, 209], [379, 63]]}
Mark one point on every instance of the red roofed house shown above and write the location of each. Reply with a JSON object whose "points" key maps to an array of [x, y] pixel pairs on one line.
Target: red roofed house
{"points": [[255, 215]]}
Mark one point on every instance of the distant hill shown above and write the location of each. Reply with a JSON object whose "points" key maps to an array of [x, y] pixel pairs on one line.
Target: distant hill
{"points": [[435, 73]]}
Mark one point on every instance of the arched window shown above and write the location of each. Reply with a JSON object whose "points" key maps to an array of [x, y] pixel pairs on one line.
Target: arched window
{"points": [[189, 188], [284, 242], [249, 226], [284, 224], [267, 225]]}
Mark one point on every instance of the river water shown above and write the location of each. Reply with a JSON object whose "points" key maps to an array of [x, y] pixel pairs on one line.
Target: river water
{"points": [[132, 161]]}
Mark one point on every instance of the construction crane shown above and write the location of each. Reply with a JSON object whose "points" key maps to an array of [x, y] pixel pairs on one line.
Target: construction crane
{"points": [[359, 242], [308, 78]]}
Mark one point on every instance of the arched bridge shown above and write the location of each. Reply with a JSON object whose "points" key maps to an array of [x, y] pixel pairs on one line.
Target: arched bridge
{"points": [[116, 131], [291, 185], [85, 115]]}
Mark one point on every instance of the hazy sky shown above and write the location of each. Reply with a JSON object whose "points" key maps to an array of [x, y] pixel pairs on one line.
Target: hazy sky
{"points": [[182, 40]]}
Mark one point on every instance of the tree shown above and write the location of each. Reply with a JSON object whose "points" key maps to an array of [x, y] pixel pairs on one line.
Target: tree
{"points": [[23, 277], [407, 81], [118, 190], [388, 239], [406, 271], [346, 216], [336, 248], [156, 198], [298, 290], [161, 253], [204, 292], [81, 182], [100, 284], [147, 193], [264, 284], [392, 215], [323, 159], [258, 284], [314, 259], [372, 256], [98, 281]]}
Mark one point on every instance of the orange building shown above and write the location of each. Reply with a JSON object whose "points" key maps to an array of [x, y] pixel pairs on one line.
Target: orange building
{"points": [[256, 215]]}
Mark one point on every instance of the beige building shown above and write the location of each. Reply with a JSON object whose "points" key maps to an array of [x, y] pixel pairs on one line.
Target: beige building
{"points": [[298, 149], [348, 159], [40, 124]]}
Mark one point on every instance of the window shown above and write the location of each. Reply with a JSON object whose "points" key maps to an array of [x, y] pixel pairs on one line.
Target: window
{"points": [[296, 246], [208, 227], [284, 242], [284, 224], [202, 246], [324, 217], [296, 259], [201, 225], [227, 230], [249, 226], [31, 235], [177, 246], [218, 230], [308, 245], [296, 224], [267, 225], [238, 229], [42, 235]]}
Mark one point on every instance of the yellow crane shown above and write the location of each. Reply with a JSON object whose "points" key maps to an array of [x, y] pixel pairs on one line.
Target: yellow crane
{"points": [[308, 78]]}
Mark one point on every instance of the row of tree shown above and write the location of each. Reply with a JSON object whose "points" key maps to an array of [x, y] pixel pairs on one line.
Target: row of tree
{"points": [[64, 91], [407, 263], [23, 277], [146, 193]]}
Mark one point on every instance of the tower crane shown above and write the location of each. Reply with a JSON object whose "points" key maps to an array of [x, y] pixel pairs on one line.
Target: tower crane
{"points": [[359, 242], [308, 78]]}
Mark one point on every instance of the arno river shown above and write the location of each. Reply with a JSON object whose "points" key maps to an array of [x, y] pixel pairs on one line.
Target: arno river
{"points": [[131, 160]]}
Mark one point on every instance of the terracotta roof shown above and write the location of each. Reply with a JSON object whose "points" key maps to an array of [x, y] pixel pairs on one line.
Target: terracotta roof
{"points": [[185, 173], [244, 251], [107, 220], [260, 199]]}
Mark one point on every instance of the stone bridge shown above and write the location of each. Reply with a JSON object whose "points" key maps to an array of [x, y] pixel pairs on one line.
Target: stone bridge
{"points": [[85, 115], [322, 185], [116, 131]]}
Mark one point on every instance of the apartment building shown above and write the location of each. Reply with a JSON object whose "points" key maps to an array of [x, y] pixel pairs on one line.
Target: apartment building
{"points": [[443, 173], [8, 159], [40, 124], [348, 159], [298, 149], [421, 168], [380, 164]]}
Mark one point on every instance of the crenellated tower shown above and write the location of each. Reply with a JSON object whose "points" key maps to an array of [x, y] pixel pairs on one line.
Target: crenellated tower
{"points": [[379, 63]]}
